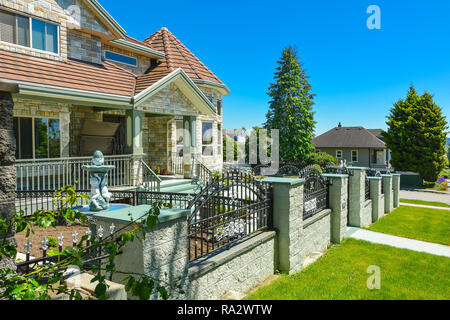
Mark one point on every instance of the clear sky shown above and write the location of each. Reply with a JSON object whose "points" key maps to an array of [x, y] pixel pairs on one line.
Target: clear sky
{"points": [[356, 73]]}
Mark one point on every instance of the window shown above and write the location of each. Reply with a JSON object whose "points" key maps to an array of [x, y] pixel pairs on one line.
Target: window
{"points": [[339, 154], [180, 138], [354, 155], [120, 58], [37, 138], [207, 139], [15, 28]]}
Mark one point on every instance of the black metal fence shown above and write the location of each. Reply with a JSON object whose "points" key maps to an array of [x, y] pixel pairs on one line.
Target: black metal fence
{"points": [[367, 188], [228, 210], [32, 201], [316, 192]]}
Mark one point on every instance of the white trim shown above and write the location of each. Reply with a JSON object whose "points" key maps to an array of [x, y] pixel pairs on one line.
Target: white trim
{"points": [[342, 154]]}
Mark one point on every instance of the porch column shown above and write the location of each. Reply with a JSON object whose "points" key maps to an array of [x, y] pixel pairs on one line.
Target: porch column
{"points": [[189, 125], [134, 143], [7, 159], [64, 122]]}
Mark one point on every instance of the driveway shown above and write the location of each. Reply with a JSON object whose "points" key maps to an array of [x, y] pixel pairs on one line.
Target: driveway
{"points": [[425, 196]]}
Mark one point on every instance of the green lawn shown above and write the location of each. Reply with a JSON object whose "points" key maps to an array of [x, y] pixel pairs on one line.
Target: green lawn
{"points": [[426, 203], [432, 225], [342, 275]]}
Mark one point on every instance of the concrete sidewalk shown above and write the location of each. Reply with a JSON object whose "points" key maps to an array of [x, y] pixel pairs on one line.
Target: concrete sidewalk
{"points": [[422, 206], [398, 242]]}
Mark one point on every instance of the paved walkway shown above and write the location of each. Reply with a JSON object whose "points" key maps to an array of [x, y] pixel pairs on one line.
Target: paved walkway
{"points": [[423, 206], [425, 196], [399, 242]]}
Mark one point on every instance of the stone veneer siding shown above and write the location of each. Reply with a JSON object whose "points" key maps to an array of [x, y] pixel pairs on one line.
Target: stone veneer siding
{"points": [[239, 269], [55, 11], [85, 47], [7, 169], [316, 233], [143, 62]]}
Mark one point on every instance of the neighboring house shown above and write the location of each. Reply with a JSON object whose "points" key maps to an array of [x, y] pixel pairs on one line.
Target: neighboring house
{"points": [[359, 146], [86, 85]]}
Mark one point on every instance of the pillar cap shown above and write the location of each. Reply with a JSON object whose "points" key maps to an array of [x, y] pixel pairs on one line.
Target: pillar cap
{"points": [[290, 181], [335, 175], [375, 178]]}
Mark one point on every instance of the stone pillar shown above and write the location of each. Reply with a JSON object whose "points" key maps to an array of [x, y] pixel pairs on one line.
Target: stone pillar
{"points": [[288, 221], [360, 210], [7, 159], [396, 190], [134, 143], [388, 194], [64, 123], [338, 205], [377, 199], [190, 124], [162, 254]]}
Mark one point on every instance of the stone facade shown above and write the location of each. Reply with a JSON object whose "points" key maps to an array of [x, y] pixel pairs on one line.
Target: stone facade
{"points": [[316, 233], [85, 47], [7, 169], [360, 210], [339, 206], [143, 62], [240, 269], [377, 198], [388, 194]]}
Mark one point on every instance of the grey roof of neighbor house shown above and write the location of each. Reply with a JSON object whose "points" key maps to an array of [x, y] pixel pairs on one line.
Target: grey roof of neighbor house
{"points": [[348, 137]]}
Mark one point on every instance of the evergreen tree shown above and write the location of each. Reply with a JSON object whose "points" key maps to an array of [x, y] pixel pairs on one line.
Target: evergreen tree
{"points": [[291, 108], [417, 135]]}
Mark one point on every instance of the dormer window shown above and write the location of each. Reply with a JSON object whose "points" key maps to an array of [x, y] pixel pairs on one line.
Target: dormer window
{"points": [[29, 32], [109, 55]]}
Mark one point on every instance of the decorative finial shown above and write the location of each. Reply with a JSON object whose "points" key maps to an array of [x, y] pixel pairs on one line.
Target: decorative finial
{"points": [[28, 246], [61, 240]]}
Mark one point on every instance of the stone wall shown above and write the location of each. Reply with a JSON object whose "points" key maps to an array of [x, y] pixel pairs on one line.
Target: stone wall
{"points": [[316, 233], [7, 169], [238, 269], [157, 141]]}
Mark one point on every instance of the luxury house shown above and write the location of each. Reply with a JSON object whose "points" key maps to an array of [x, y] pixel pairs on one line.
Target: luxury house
{"points": [[85, 85], [358, 146]]}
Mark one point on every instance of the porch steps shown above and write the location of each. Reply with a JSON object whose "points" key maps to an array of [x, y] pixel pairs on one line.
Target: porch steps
{"points": [[177, 186]]}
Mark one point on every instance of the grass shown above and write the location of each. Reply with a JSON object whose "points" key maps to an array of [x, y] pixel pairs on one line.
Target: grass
{"points": [[432, 225], [426, 203], [342, 275]]}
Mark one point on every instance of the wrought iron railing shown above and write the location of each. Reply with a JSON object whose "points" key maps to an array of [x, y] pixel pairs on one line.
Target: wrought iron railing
{"points": [[367, 188], [54, 174], [227, 211], [150, 180], [37, 200], [177, 164], [200, 172], [316, 192]]}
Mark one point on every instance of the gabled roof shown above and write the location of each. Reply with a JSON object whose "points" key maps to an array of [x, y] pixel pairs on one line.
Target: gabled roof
{"points": [[106, 18], [176, 56], [348, 137], [376, 132]]}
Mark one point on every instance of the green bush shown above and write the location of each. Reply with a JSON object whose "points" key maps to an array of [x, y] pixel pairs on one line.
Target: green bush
{"points": [[322, 159]]}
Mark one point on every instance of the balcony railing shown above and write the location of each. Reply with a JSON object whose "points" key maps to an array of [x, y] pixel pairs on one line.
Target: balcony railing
{"points": [[53, 174]]}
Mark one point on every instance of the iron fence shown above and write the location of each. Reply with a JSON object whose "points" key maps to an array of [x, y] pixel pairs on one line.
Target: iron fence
{"points": [[31, 201], [316, 192], [227, 211], [367, 188], [47, 174]]}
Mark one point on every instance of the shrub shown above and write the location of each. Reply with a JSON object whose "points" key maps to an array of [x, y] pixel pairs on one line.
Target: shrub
{"points": [[322, 159]]}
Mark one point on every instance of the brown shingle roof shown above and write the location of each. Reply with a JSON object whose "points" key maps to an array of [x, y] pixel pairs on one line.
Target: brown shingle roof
{"points": [[348, 137], [105, 78], [177, 56]]}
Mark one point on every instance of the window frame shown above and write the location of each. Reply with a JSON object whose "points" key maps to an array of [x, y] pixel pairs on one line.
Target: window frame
{"points": [[33, 137], [30, 30], [342, 154], [121, 62], [211, 145], [357, 155]]}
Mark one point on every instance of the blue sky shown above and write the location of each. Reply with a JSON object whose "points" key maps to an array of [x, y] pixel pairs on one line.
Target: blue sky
{"points": [[356, 73]]}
